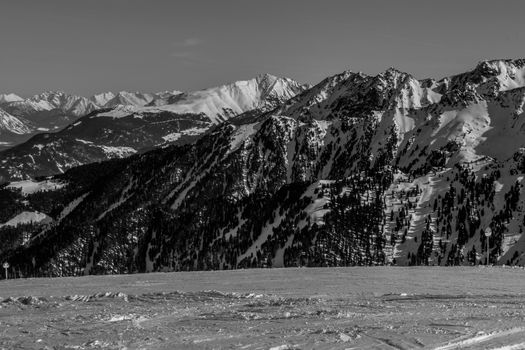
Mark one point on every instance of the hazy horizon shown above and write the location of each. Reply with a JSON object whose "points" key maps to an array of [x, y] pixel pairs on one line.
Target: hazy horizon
{"points": [[87, 47]]}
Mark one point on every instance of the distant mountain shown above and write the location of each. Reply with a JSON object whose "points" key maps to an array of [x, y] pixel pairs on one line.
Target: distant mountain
{"points": [[262, 93], [129, 127], [53, 110], [50, 109], [43, 112], [218, 104], [102, 98], [12, 128], [357, 170], [125, 98], [6, 98], [166, 98]]}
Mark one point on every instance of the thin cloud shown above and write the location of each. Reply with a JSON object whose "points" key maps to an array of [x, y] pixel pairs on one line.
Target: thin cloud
{"points": [[189, 57], [189, 42], [185, 54]]}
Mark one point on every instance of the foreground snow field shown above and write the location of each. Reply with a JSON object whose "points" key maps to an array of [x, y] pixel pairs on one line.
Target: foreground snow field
{"points": [[336, 308]]}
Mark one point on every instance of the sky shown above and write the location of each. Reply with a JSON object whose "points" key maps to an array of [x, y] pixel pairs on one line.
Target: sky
{"points": [[90, 46]]}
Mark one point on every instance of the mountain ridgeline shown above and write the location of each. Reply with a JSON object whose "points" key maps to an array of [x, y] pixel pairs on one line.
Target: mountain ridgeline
{"points": [[356, 170], [133, 123], [52, 110]]}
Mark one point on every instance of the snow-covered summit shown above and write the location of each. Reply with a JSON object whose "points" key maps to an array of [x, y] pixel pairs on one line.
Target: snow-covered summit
{"points": [[69, 104], [167, 93], [58, 102], [222, 102], [165, 98], [4, 98], [357, 94], [102, 98], [130, 98], [488, 78]]}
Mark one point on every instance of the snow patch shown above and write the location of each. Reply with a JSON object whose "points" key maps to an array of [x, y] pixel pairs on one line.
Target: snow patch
{"points": [[242, 133], [172, 137], [30, 186], [28, 217], [119, 152]]}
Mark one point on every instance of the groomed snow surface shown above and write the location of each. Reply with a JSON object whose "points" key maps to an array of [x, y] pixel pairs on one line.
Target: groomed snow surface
{"points": [[305, 308]]}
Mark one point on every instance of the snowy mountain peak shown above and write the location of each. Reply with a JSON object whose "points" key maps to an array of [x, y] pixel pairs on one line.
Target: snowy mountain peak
{"points": [[498, 65], [102, 98], [488, 78], [60, 100], [55, 98], [129, 98], [48, 93], [266, 76], [220, 103], [5, 98], [167, 93], [351, 94], [393, 71], [266, 79], [393, 76]]}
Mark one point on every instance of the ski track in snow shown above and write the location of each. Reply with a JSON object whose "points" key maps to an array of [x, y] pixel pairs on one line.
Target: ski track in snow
{"points": [[478, 340]]}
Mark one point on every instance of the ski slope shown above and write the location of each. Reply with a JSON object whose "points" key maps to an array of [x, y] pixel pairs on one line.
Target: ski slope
{"points": [[294, 308]]}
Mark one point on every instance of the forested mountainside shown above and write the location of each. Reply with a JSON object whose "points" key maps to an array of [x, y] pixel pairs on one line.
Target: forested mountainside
{"points": [[357, 170], [134, 123]]}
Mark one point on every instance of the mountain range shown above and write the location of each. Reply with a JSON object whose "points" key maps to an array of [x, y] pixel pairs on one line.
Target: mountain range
{"points": [[356, 170], [130, 123], [52, 110]]}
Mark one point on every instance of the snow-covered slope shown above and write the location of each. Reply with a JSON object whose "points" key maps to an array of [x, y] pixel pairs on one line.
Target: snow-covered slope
{"points": [[29, 187], [134, 99], [102, 98], [69, 104], [4, 98], [9, 123], [13, 129], [49, 101], [125, 98], [221, 103], [27, 217]]}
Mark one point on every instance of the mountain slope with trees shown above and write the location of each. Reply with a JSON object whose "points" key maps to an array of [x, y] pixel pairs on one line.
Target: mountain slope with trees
{"points": [[357, 170]]}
